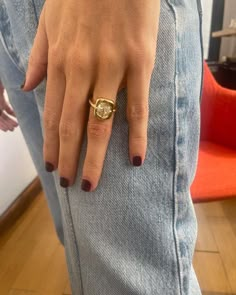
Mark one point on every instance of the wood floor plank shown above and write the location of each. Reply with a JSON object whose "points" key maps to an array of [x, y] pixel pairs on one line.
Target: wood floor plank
{"points": [[16, 231], [67, 290], [212, 209], [12, 264], [26, 236], [41, 226], [19, 205], [37, 259], [226, 242], [15, 251], [35, 266], [217, 293], [232, 221], [210, 272], [54, 279], [22, 292], [228, 206], [41, 234], [205, 238]]}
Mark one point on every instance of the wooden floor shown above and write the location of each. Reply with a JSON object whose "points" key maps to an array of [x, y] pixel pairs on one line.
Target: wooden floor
{"points": [[32, 261]]}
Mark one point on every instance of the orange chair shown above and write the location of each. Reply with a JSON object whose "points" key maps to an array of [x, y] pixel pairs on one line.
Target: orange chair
{"points": [[216, 172]]}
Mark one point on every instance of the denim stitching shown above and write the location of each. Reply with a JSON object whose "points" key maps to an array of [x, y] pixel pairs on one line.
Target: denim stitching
{"points": [[7, 38], [175, 161], [35, 12], [199, 5], [74, 238]]}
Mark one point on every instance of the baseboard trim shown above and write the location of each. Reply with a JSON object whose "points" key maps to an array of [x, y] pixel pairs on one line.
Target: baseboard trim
{"points": [[23, 201]]}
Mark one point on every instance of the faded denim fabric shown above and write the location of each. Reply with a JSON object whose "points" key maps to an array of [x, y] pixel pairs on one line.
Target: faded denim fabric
{"points": [[135, 235]]}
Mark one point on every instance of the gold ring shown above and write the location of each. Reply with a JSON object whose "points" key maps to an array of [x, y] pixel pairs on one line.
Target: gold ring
{"points": [[103, 108]]}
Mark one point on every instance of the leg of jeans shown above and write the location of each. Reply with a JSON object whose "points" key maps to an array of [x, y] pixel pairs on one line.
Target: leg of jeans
{"points": [[26, 109], [136, 233]]}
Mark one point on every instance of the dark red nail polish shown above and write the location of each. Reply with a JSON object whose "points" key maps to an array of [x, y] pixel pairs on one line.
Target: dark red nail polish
{"points": [[137, 161], [49, 167], [64, 182], [22, 86], [86, 185]]}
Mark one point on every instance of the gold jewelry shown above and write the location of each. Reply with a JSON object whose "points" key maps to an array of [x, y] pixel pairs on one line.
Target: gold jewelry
{"points": [[103, 108]]}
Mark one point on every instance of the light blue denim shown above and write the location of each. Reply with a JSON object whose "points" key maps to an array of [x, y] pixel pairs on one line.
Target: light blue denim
{"points": [[135, 235]]}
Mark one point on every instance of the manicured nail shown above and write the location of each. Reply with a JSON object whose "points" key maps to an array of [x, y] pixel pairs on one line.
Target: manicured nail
{"points": [[22, 86], [137, 161], [64, 182], [86, 185], [49, 167]]}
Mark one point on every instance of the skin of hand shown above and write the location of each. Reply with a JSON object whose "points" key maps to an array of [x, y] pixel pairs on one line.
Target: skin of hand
{"points": [[89, 49], [6, 122]]}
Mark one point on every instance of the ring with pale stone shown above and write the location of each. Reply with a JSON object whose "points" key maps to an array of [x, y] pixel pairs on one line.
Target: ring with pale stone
{"points": [[103, 108]]}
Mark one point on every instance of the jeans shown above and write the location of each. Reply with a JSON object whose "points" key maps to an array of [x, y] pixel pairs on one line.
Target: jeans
{"points": [[136, 233]]}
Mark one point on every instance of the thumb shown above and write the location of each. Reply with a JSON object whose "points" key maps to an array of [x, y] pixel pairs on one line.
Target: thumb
{"points": [[37, 65]]}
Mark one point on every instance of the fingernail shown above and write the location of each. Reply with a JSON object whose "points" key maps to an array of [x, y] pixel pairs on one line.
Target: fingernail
{"points": [[86, 185], [137, 161], [64, 182], [49, 167], [22, 86]]}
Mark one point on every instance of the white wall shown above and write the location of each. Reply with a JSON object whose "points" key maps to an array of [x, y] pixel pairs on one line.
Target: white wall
{"points": [[16, 168], [207, 12], [228, 45]]}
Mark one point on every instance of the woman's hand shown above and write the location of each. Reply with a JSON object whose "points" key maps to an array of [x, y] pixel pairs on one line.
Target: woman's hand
{"points": [[90, 49], [6, 122]]}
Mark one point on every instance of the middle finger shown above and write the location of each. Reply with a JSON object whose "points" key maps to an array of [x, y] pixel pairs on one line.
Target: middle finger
{"points": [[99, 131]]}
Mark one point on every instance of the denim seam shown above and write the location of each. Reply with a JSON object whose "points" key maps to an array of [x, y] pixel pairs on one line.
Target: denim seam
{"points": [[74, 239], [8, 53], [35, 12], [7, 39], [199, 5], [175, 207]]}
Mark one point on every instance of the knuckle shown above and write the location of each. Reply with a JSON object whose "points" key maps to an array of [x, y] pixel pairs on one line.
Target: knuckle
{"points": [[109, 56], [65, 168], [50, 122], [93, 166], [99, 131], [138, 139], [141, 55], [137, 112], [55, 58], [79, 61], [66, 130], [34, 61]]}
